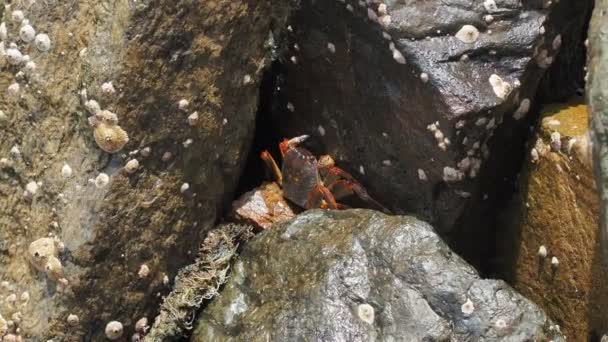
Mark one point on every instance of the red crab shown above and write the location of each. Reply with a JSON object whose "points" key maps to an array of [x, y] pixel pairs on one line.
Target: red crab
{"points": [[312, 183]]}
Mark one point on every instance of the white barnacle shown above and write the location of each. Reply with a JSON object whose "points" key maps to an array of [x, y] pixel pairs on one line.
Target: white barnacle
{"points": [[247, 80], [3, 32], [13, 90], [290, 107], [144, 271], [488, 18], [321, 130], [543, 60], [361, 170], [542, 252], [557, 42], [424, 77], [490, 6], [31, 188], [17, 16], [522, 110], [500, 324], [534, 155], [554, 262], [556, 141], [331, 47], [193, 119], [141, 326], [382, 9], [66, 171], [500, 87], [350, 8], [114, 330], [365, 312], [42, 42], [101, 180], [183, 104], [108, 88], [468, 34], [72, 320], [184, 187], [14, 56], [131, 166], [422, 175], [450, 174], [467, 308], [92, 106], [398, 56], [385, 21], [187, 142], [146, 151], [29, 67], [27, 33]]}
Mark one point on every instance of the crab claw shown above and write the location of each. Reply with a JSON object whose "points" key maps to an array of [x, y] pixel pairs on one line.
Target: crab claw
{"points": [[286, 144], [297, 140]]}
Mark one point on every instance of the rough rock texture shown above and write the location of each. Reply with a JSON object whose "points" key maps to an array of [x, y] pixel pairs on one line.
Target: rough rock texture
{"points": [[155, 53], [597, 97], [558, 208], [373, 113], [359, 275]]}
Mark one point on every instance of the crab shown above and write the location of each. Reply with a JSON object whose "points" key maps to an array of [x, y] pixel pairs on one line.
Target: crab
{"points": [[314, 183]]}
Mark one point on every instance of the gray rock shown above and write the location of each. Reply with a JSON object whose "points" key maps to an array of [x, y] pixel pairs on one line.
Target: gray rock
{"points": [[359, 275], [597, 97], [154, 53], [349, 89]]}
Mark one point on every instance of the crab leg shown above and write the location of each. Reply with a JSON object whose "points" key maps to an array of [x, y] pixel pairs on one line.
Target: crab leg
{"points": [[272, 164], [332, 174], [321, 197], [343, 188]]}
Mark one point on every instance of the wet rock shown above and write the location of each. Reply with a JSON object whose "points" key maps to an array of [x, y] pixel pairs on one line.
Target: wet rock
{"points": [[359, 275], [137, 60], [263, 206], [597, 97], [552, 240], [445, 109]]}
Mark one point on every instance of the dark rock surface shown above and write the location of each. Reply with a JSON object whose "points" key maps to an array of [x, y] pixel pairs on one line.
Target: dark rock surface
{"points": [[359, 275], [123, 242], [344, 83]]}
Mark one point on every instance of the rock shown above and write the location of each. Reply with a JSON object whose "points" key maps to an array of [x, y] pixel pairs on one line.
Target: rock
{"points": [[597, 97], [153, 54], [263, 206], [556, 216], [359, 275], [453, 100]]}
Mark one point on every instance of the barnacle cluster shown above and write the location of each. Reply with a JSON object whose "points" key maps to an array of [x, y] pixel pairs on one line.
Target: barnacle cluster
{"points": [[44, 256]]}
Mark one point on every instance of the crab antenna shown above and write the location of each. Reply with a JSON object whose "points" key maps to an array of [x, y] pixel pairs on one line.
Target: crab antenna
{"points": [[297, 140]]}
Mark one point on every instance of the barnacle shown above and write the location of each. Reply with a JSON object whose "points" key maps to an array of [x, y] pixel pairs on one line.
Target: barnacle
{"points": [[110, 138]]}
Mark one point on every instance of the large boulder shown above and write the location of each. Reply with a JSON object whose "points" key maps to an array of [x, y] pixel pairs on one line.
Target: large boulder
{"points": [[415, 97], [549, 238], [119, 234], [360, 275]]}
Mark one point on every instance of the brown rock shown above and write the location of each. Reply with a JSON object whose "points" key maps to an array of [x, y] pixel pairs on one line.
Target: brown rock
{"points": [[559, 209], [154, 53]]}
